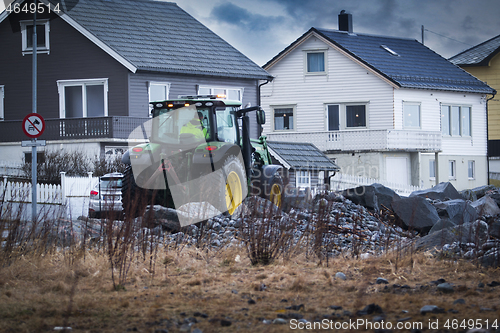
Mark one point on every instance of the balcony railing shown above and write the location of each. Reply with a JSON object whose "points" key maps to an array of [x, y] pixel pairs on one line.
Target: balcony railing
{"points": [[365, 140], [80, 128]]}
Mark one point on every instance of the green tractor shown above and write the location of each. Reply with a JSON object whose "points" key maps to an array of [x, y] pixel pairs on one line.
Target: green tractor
{"points": [[200, 151]]}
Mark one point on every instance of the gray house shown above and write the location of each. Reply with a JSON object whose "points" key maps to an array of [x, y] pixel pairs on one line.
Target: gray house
{"points": [[100, 63]]}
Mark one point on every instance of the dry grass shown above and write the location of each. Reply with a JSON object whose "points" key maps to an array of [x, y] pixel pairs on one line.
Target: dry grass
{"points": [[38, 293]]}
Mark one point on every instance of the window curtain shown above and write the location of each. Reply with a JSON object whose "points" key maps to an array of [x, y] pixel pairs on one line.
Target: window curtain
{"points": [[316, 62]]}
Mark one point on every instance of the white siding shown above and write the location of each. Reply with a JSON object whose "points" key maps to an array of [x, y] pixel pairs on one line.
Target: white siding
{"points": [[345, 82], [431, 118]]}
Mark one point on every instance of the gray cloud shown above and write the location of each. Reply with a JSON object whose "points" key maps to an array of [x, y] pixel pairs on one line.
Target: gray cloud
{"points": [[262, 34], [234, 15]]}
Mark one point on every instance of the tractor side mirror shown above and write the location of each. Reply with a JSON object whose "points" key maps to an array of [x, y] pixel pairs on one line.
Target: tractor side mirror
{"points": [[261, 117]]}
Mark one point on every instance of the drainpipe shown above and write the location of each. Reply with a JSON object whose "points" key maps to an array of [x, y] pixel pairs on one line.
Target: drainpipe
{"points": [[259, 100], [258, 90], [436, 165], [487, 139]]}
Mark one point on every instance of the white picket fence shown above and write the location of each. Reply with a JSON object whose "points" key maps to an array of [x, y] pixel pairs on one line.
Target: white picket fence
{"points": [[342, 182], [48, 194]]}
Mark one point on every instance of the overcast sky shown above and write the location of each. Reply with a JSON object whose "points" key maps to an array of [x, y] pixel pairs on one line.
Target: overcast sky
{"points": [[260, 29]]}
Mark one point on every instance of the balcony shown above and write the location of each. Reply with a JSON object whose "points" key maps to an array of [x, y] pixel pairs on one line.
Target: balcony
{"points": [[79, 128], [365, 140]]}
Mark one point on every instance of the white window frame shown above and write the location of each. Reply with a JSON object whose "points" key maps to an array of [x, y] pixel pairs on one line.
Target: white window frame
{"points": [[432, 169], [2, 108], [166, 85], [301, 175], [418, 104], [473, 164], [460, 130], [24, 35], [214, 88], [452, 169], [325, 58], [343, 115], [293, 107], [61, 84]]}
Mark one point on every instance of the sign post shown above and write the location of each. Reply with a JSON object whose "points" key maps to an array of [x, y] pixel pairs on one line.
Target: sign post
{"points": [[33, 126]]}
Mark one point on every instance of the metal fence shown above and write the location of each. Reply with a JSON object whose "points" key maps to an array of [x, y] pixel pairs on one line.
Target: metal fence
{"points": [[80, 128]]}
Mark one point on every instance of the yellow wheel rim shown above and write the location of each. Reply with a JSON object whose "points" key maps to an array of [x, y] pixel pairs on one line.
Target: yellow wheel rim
{"points": [[234, 192], [275, 196]]}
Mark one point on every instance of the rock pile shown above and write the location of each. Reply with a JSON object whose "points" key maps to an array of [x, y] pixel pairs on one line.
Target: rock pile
{"points": [[364, 221]]}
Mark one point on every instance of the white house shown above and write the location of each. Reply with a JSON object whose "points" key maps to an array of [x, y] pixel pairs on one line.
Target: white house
{"points": [[381, 107]]}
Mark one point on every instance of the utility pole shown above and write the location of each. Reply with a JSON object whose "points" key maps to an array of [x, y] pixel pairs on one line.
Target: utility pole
{"points": [[423, 34]]}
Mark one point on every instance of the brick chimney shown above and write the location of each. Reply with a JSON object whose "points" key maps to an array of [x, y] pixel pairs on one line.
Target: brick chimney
{"points": [[345, 21]]}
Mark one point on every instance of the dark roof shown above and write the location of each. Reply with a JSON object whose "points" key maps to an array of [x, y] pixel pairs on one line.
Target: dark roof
{"points": [[159, 36], [412, 65], [479, 55], [300, 156]]}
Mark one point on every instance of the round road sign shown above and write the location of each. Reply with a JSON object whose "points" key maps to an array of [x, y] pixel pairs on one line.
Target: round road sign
{"points": [[33, 125]]}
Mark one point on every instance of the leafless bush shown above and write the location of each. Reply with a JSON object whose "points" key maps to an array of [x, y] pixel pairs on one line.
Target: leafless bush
{"points": [[267, 233], [102, 166], [51, 163]]}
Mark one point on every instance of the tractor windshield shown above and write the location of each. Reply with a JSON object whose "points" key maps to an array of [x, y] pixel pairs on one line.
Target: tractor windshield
{"points": [[185, 125]]}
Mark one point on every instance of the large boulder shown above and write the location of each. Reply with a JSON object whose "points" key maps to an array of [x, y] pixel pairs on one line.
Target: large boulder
{"points": [[442, 224], [464, 233], [477, 192], [442, 191], [486, 206], [495, 228], [416, 213], [458, 211], [372, 196], [495, 196]]}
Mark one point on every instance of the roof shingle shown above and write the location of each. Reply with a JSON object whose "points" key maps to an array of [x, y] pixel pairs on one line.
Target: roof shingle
{"points": [[412, 66], [160, 36], [301, 156], [478, 55]]}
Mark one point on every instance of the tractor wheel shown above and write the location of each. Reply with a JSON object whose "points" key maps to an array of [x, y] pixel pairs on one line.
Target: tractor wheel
{"points": [[134, 198], [275, 194], [233, 187]]}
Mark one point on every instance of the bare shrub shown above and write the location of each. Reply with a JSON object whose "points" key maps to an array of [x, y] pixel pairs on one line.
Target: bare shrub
{"points": [[267, 233], [74, 163], [53, 162], [102, 166]]}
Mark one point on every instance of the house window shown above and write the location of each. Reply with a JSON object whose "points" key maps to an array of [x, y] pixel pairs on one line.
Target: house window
{"points": [[283, 119], [355, 115], [411, 115], [83, 98], [333, 118], [471, 169], [432, 169], [345, 116], [303, 178], [42, 36], [452, 171], [456, 120], [234, 94], [2, 112], [315, 62], [158, 91]]}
